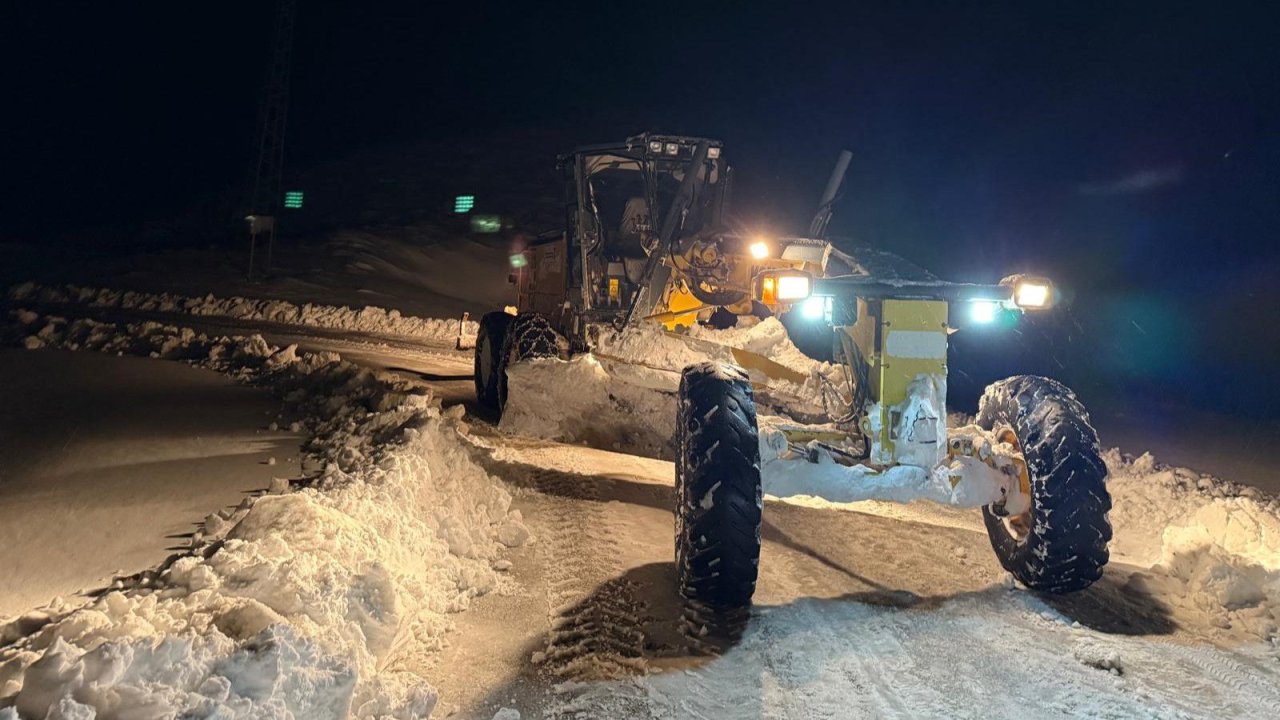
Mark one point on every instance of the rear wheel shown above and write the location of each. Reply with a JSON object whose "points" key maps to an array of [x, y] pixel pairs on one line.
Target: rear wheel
{"points": [[489, 340], [718, 492], [529, 336], [1060, 543]]}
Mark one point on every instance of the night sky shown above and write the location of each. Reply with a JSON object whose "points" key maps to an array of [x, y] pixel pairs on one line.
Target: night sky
{"points": [[1131, 149]]}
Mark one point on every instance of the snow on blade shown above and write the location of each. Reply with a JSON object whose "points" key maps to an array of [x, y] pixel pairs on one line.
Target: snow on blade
{"points": [[296, 603], [624, 397]]}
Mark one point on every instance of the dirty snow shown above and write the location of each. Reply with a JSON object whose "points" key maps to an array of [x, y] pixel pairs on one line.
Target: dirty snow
{"points": [[293, 604]]}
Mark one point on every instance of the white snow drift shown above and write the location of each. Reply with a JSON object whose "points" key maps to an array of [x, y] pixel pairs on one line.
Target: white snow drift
{"points": [[369, 319], [294, 604]]}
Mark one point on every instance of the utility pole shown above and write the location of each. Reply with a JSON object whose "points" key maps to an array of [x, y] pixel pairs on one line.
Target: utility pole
{"points": [[264, 198]]}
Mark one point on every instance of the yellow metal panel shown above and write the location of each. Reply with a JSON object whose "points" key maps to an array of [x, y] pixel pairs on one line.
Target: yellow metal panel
{"points": [[771, 369], [681, 308], [921, 319]]}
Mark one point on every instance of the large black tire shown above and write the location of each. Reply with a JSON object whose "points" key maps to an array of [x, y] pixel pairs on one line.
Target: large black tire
{"points": [[1060, 544], [488, 359], [718, 493], [529, 336]]}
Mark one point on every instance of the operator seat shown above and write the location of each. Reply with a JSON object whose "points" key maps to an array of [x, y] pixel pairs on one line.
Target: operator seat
{"points": [[635, 228]]}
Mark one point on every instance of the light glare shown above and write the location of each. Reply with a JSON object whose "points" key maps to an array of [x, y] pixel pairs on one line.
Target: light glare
{"points": [[983, 311], [793, 287], [759, 250], [1031, 294]]}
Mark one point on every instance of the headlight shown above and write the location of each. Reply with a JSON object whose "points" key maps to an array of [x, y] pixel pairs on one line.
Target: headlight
{"points": [[774, 287], [792, 288], [759, 250], [1032, 294], [817, 307], [983, 312]]}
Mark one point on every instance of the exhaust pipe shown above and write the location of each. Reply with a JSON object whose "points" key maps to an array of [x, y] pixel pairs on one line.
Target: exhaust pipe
{"points": [[818, 228]]}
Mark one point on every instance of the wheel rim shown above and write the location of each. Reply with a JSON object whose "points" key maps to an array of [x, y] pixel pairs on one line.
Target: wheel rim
{"points": [[1018, 526]]}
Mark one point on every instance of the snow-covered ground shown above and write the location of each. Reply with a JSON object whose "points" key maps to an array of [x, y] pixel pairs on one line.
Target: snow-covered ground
{"points": [[129, 454], [863, 609], [291, 604]]}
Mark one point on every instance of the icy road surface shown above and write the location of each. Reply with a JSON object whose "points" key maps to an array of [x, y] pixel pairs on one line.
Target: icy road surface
{"points": [[883, 611], [107, 463]]}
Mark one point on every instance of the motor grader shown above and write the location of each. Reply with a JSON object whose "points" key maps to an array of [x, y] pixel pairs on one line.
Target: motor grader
{"points": [[645, 246]]}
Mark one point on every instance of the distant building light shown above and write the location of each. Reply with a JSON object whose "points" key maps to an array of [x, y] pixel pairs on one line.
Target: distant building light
{"points": [[487, 224], [464, 203], [293, 199]]}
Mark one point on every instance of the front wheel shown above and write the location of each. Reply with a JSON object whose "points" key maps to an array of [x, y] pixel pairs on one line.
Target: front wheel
{"points": [[719, 498], [1059, 544], [529, 336], [488, 358]]}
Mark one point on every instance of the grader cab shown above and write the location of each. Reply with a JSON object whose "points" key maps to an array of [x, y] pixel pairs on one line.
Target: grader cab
{"points": [[644, 239]]}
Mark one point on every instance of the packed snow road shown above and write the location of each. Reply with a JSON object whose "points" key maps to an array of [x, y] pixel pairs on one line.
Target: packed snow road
{"points": [[107, 464], [865, 610], [875, 612]]}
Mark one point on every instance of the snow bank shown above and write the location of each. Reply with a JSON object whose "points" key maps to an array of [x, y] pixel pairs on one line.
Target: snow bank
{"points": [[1214, 543], [368, 319], [292, 605]]}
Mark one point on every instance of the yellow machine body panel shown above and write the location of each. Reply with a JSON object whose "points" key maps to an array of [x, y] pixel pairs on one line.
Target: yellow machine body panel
{"points": [[681, 308], [900, 340]]}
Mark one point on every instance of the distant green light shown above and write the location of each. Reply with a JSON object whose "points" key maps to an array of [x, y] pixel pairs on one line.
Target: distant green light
{"points": [[518, 260], [464, 203], [486, 224], [293, 199]]}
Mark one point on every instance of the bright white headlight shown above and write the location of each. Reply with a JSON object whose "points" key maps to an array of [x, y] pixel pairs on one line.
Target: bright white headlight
{"points": [[816, 307], [1032, 294], [759, 250], [792, 288], [983, 311]]}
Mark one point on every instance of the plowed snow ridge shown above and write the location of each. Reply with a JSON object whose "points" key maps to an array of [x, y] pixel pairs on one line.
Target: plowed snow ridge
{"points": [[291, 603], [367, 319]]}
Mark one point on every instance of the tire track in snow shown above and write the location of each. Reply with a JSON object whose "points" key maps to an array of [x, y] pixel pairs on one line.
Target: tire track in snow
{"points": [[595, 618], [1228, 672]]}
